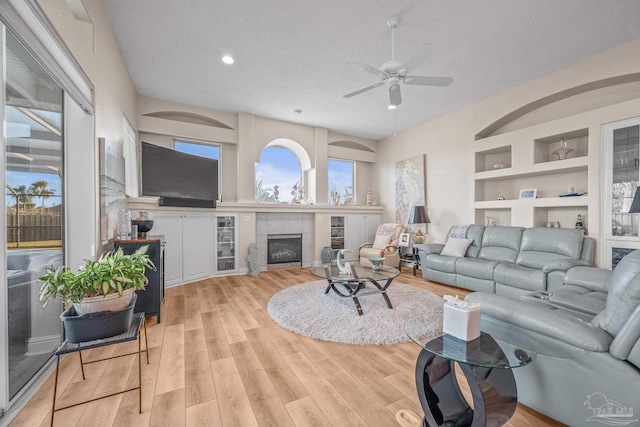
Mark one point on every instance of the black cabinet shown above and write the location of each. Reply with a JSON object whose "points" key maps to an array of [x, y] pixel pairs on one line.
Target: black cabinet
{"points": [[151, 298]]}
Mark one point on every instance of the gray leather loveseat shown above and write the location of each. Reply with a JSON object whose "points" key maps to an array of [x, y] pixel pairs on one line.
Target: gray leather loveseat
{"points": [[587, 336], [510, 261]]}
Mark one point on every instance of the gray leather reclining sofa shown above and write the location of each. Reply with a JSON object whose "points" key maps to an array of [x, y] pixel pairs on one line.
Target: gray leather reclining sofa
{"points": [[510, 261], [587, 335]]}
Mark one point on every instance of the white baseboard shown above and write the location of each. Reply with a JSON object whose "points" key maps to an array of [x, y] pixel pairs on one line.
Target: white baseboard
{"points": [[42, 345]]}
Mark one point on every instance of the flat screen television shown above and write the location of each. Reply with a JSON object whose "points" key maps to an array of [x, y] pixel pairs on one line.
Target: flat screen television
{"points": [[184, 179]]}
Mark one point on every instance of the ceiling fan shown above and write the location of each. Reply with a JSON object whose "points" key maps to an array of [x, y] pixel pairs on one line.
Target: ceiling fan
{"points": [[394, 72]]}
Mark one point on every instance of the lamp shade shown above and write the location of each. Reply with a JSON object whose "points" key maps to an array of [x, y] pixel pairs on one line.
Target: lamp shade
{"points": [[419, 215], [635, 205]]}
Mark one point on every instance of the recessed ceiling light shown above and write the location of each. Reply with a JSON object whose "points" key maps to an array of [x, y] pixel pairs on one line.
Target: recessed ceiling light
{"points": [[228, 59], [392, 107]]}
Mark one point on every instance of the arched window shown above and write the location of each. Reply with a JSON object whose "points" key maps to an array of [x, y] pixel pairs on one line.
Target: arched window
{"points": [[278, 176]]}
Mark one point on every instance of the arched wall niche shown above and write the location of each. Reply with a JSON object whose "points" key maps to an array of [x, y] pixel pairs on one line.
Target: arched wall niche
{"points": [[351, 145], [187, 117], [604, 90]]}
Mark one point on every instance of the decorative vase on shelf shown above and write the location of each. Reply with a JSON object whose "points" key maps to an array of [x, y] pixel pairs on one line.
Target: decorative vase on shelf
{"points": [[563, 150]]}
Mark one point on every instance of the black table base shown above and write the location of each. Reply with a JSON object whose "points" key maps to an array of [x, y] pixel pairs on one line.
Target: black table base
{"points": [[493, 392], [357, 287]]}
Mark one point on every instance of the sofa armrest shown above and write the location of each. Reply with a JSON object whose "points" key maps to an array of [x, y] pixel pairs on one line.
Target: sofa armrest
{"points": [[365, 245], [591, 278], [628, 336], [431, 248], [391, 249], [564, 265], [556, 324]]}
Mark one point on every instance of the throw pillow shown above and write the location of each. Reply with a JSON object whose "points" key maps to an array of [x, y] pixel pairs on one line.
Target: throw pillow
{"points": [[456, 247], [381, 241]]}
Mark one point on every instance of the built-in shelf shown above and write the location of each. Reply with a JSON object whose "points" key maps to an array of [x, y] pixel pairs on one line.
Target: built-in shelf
{"points": [[582, 201], [562, 166], [494, 159], [531, 160], [495, 216], [564, 216], [547, 149]]}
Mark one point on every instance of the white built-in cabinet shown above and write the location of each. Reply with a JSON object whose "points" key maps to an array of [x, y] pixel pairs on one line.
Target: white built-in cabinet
{"points": [[356, 229], [226, 243], [190, 242]]}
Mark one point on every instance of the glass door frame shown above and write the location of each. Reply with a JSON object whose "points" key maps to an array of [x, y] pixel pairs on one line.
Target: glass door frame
{"points": [[610, 241], [37, 35], [4, 288]]}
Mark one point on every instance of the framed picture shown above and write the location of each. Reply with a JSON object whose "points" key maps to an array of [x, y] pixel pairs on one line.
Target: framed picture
{"points": [[529, 193], [404, 239]]}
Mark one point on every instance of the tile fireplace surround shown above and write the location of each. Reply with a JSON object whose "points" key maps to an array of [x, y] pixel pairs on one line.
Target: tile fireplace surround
{"points": [[285, 223]]}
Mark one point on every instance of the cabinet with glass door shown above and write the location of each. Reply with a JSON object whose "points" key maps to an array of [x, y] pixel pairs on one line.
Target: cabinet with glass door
{"points": [[622, 174], [337, 232], [226, 243]]}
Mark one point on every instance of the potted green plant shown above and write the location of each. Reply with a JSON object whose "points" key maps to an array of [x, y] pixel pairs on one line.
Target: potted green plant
{"points": [[103, 285]]}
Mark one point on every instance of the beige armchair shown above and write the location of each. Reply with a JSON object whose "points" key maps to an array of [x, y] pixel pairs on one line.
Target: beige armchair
{"points": [[385, 245]]}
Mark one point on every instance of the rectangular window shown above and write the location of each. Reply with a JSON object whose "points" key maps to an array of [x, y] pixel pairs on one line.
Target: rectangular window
{"points": [[341, 182], [203, 150]]}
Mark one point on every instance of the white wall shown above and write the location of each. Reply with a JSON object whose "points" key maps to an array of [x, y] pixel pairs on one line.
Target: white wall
{"points": [[448, 141], [98, 54], [243, 144]]}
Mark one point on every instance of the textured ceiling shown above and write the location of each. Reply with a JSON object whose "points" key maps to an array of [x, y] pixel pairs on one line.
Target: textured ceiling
{"points": [[292, 54]]}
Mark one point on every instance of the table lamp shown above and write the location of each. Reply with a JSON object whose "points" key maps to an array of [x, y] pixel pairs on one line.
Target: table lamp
{"points": [[419, 216]]}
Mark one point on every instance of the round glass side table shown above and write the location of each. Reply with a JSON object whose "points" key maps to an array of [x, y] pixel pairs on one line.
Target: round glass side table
{"points": [[486, 365]]}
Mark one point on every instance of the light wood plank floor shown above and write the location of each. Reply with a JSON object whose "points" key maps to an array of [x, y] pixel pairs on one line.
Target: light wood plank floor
{"points": [[219, 360]]}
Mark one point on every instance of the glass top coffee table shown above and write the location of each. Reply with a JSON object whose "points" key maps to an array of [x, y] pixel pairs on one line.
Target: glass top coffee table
{"points": [[486, 364], [361, 281]]}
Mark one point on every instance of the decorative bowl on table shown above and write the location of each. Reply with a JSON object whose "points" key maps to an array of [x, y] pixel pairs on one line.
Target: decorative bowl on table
{"points": [[144, 226], [376, 263]]}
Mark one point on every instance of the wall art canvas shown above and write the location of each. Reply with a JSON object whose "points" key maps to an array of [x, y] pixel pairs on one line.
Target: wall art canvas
{"points": [[112, 188], [410, 186]]}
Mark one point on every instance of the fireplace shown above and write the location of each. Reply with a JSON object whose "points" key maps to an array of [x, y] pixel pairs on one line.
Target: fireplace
{"points": [[284, 251]]}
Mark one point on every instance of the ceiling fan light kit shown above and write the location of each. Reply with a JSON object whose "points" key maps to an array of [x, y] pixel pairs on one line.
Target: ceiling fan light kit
{"points": [[394, 72]]}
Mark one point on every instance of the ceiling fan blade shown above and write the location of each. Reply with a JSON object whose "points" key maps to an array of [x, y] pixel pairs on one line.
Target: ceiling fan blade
{"points": [[358, 92], [394, 94], [366, 67], [428, 80], [425, 51]]}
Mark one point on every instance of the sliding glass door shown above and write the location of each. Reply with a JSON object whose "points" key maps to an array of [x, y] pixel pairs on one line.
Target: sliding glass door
{"points": [[34, 209]]}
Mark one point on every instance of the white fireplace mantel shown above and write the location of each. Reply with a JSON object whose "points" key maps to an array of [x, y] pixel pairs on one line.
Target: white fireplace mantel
{"points": [[151, 203]]}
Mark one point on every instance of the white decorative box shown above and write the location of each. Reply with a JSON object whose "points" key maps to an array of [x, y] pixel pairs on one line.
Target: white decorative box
{"points": [[461, 319]]}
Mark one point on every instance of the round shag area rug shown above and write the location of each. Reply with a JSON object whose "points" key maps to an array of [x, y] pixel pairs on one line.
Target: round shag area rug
{"points": [[306, 310]]}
